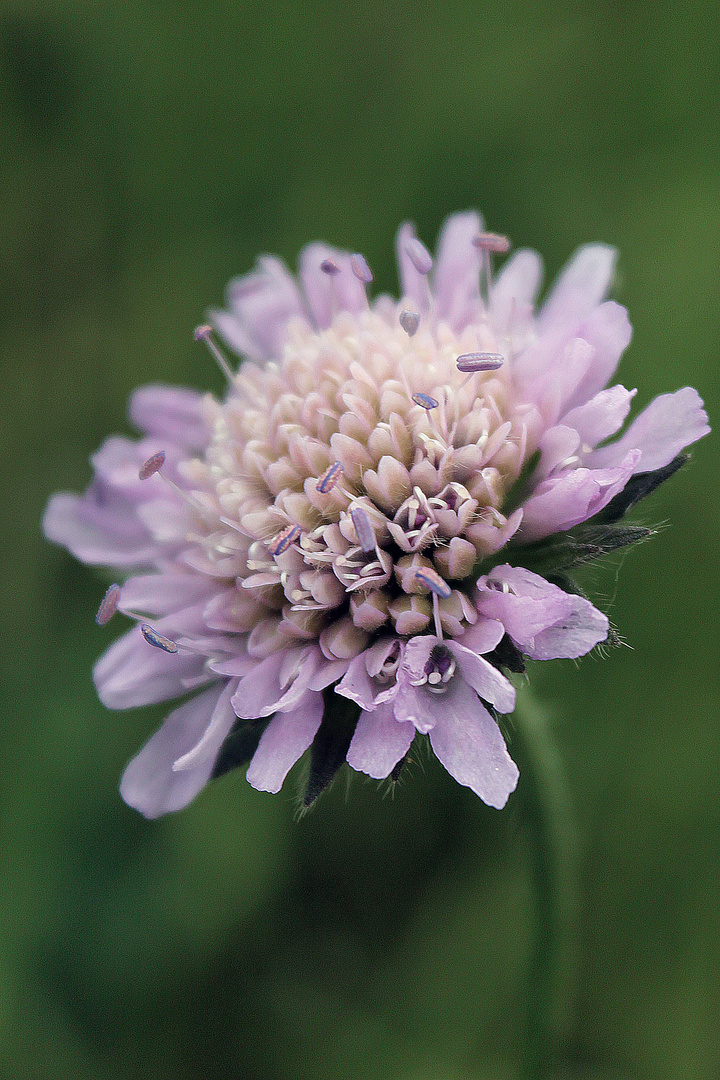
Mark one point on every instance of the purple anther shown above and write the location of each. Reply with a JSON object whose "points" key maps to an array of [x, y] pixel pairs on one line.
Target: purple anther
{"points": [[419, 255], [363, 528], [361, 269], [152, 465], [479, 361], [409, 320], [108, 605], [429, 577], [201, 332], [329, 478], [492, 242], [284, 539], [157, 640], [329, 267], [425, 401]]}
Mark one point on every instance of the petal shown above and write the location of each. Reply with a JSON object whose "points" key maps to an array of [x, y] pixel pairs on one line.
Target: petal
{"points": [[357, 685], [668, 424], [582, 285], [99, 531], [204, 752], [485, 679], [161, 594], [468, 742], [602, 416], [607, 330], [484, 636], [457, 269], [149, 783], [285, 739], [544, 622], [379, 742], [573, 496], [329, 293], [172, 413], [277, 682], [513, 294], [413, 285]]}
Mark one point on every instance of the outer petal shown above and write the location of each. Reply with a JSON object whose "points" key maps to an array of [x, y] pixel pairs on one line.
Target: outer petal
{"points": [[160, 594], [413, 285], [132, 673], [485, 679], [285, 739], [99, 530], [607, 330], [513, 294], [469, 744], [543, 621], [457, 269], [581, 286], [277, 682], [600, 417], [669, 424], [327, 293], [261, 304], [573, 496], [379, 742], [149, 783], [172, 413]]}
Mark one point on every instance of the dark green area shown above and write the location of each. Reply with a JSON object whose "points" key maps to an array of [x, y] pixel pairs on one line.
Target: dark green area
{"points": [[148, 152]]}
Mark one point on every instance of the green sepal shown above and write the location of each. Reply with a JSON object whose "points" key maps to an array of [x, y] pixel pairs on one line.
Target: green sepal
{"points": [[330, 745], [518, 493], [639, 487], [565, 551], [239, 746]]}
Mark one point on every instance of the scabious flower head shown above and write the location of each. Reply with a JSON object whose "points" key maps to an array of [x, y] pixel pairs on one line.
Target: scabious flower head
{"points": [[378, 520]]}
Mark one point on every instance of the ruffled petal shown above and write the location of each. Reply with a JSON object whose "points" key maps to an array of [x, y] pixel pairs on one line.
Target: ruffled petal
{"points": [[149, 783], [379, 742], [468, 742], [544, 622], [98, 531], [285, 739], [457, 268], [485, 679], [276, 683], [581, 286], [573, 496], [668, 424], [600, 417], [608, 332], [513, 294], [161, 594]]}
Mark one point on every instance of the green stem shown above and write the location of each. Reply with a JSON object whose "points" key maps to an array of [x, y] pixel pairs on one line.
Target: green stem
{"points": [[553, 846]]}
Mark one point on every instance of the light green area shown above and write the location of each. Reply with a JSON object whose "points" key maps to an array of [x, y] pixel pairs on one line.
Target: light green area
{"points": [[148, 152]]}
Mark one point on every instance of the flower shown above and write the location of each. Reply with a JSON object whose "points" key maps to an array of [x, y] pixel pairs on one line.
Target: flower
{"points": [[378, 521]]}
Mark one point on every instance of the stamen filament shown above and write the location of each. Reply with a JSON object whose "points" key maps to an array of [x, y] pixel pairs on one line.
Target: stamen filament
{"points": [[202, 333]]}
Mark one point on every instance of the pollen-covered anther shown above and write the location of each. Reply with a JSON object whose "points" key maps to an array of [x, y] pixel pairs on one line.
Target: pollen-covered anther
{"points": [[158, 641], [410, 321], [492, 242], [360, 268], [363, 528], [430, 578], [329, 267], [108, 605], [152, 465], [425, 401], [480, 361], [329, 478], [284, 539]]}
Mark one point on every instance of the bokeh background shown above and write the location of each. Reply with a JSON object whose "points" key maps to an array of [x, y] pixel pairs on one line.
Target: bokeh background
{"points": [[149, 150]]}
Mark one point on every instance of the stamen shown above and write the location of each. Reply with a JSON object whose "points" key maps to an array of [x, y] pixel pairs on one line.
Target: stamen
{"points": [[363, 528], [479, 362], [425, 401], [419, 255], [284, 539], [492, 242], [152, 465], [409, 320], [108, 605], [361, 269], [202, 333], [157, 640], [329, 267], [329, 478], [437, 585]]}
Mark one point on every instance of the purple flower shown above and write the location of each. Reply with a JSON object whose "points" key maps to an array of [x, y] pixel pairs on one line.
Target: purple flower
{"points": [[379, 520]]}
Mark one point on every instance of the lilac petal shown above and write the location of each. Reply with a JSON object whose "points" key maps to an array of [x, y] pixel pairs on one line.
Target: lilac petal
{"points": [[264, 302], [557, 444], [413, 284], [468, 742], [582, 285], [131, 673], [485, 679], [206, 749], [328, 294], [573, 496], [455, 279], [234, 334], [379, 742], [484, 636], [98, 530], [170, 413], [600, 417], [417, 706], [544, 622], [149, 783], [513, 295], [607, 330], [161, 594], [357, 685], [276, 683], [668, 424], [285, 739]]}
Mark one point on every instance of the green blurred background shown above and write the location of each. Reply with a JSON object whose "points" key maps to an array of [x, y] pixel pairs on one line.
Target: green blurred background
{"points": [[148, 151]]}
